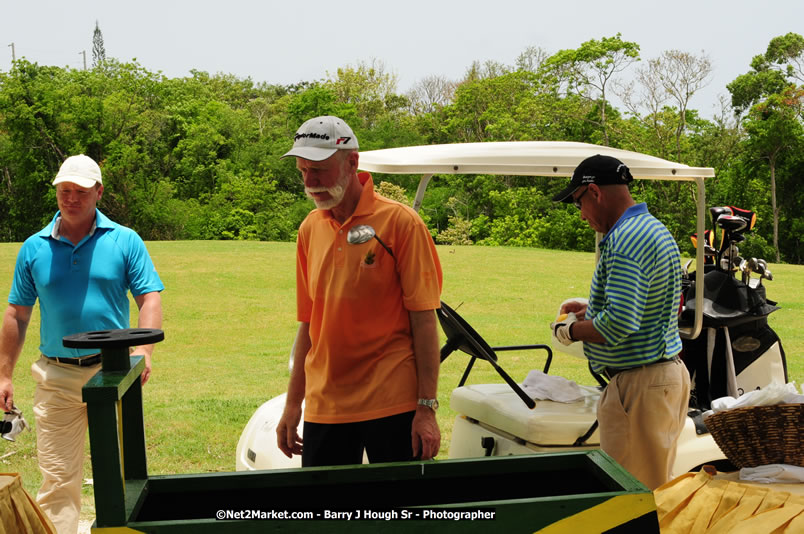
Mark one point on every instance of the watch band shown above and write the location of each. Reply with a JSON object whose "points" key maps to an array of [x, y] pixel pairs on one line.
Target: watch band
{"points": [[430, 403]]}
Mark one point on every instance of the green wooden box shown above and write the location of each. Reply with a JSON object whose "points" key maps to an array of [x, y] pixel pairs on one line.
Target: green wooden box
{"points": [[570, 492], [502, 494]]}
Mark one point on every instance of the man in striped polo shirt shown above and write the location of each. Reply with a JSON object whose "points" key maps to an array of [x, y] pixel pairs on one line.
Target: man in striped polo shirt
{"points": [[629, 329]]}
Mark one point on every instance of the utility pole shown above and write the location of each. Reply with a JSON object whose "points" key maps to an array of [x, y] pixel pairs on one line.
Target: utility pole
{"points": [[84, 53], [13, 55]]}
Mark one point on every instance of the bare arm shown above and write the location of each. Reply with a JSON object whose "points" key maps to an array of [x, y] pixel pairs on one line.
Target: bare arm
{"points": [[12, 337], [150, 306], [287, 438], [585, 331], [425, 435]]}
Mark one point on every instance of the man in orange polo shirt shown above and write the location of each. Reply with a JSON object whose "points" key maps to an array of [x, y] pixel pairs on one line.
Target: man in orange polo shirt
{"points": [[366, 354]]}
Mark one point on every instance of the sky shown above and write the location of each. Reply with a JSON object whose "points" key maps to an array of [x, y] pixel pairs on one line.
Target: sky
{"points": [[305, 40]]}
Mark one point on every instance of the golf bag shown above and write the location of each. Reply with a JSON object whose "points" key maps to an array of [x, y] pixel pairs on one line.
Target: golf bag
{"points": [[736, 351]]}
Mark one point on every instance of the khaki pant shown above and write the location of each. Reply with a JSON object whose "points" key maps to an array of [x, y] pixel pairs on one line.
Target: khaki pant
{"points": [[642, 412], [61, 427]]}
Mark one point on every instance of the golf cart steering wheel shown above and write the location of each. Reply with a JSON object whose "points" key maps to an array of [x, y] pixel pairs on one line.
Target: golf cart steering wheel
{"points": [[461, 336]]}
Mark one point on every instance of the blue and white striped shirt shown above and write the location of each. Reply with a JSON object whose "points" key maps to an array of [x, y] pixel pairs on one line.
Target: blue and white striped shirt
{"points": [[635, 293]]}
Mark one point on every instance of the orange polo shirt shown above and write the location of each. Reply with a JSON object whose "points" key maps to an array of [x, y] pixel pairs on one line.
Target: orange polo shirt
{"points": [[356, 299]]}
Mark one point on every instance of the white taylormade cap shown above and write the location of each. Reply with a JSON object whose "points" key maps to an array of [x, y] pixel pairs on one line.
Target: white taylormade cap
{"points": [[81, 170], [319, 138]]}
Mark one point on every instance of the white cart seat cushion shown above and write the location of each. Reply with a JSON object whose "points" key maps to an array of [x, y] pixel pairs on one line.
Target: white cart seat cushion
{"points": [[549, 423]]}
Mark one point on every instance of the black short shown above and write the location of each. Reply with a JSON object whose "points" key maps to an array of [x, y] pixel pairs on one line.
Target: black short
{"points": [[385, 440]]}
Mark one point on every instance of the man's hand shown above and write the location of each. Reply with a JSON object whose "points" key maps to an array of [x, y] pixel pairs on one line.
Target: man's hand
{"points": [[561, 328], [146, 373], [287, 438], [6, 394], [578, 308], [425, 435]]}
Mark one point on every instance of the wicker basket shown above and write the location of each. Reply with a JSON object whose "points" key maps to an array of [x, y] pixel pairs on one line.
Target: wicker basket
{"points": [[760, 435]]}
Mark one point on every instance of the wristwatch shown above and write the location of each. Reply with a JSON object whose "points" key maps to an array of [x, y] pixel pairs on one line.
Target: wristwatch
{"points": [[430, 403]]}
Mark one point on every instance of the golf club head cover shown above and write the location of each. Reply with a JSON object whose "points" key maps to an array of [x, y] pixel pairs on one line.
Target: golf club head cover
{"points": [[749, 216], [562, 329], [709, 239], [716, 211]]}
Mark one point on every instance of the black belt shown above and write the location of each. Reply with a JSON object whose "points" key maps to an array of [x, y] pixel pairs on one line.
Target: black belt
{"points": [[610, 372], [83, 361]]}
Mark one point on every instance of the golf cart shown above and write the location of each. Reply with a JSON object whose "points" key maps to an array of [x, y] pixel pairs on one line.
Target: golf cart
{"points": [[501, 419]]}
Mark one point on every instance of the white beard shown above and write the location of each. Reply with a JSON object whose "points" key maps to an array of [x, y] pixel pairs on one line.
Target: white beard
{"points": [[336, 193]]}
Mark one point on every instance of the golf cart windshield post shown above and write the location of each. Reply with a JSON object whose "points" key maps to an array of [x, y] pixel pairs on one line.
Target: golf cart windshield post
{"points": [[417, 202], [695, 330]]}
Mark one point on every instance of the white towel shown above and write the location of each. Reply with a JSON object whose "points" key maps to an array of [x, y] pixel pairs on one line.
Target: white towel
{"points": [[773, 473], [540, 386], [771, 394]]}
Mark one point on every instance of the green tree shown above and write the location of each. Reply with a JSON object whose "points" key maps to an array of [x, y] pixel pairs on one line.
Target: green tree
{"points": [[33, 145], [771, 72], [369, 88], [511, 107], [786, 53], [771, 94], [587, 70], [774, 128]]}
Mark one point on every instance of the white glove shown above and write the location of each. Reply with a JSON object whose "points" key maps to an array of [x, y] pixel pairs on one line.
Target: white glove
{"points": [[561, 329], [17, 423]]}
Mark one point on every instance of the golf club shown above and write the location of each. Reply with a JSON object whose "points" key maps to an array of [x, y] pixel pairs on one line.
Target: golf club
{"points": [[362, 233], [731, 226], [685, 271], [745, 268], [762, 270], [766, 273]]}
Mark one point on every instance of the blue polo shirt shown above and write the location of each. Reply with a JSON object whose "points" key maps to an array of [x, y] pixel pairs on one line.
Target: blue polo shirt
{"points": [[83, 287], [635, 293]]}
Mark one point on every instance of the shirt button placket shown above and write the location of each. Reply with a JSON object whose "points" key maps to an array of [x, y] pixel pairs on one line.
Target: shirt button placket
{"points": [[341, 243]]}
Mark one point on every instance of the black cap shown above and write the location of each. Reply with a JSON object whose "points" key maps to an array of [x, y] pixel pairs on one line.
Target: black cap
{"points": [[598, 169]]}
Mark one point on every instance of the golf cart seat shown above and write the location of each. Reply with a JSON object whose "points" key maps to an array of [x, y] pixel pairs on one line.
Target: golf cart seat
{"points": [[549, 424]]}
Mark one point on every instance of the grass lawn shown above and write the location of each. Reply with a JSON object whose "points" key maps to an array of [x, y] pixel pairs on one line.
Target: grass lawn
{"points": [[229, 325]]}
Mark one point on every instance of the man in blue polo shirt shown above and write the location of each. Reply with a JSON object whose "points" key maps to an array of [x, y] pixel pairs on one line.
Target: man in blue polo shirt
{"points": [[80, 267], [630, 326]]}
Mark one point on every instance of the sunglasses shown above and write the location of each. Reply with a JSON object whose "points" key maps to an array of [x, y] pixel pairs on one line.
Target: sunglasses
{"points": [[577, 200]]}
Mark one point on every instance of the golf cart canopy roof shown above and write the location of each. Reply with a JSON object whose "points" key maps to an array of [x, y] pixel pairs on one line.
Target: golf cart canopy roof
{"points": [[522, 158], [538, 158]]}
